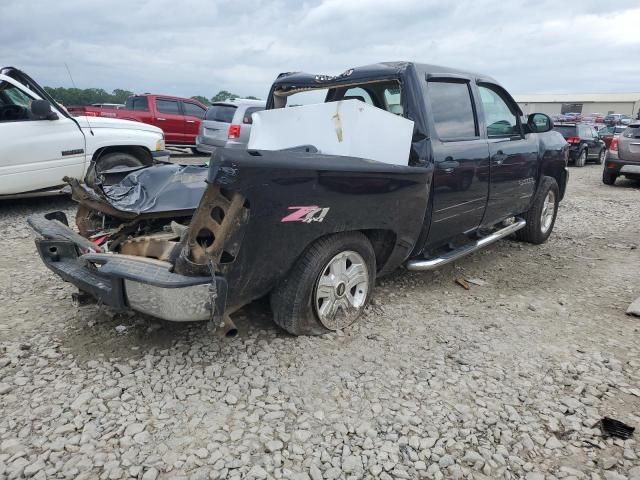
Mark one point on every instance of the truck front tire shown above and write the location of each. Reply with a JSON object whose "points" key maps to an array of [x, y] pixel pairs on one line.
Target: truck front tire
{"points": [[328, 287], [541, 217]]}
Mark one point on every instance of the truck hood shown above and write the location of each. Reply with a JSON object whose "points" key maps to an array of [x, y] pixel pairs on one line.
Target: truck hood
{"points": [[103, 122]]}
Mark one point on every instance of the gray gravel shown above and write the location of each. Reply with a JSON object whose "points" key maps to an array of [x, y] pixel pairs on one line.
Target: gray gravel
{"points": [[506, 380]]}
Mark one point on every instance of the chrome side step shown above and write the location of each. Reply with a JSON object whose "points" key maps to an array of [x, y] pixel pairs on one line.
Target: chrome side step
{"points": [[433, 263]]}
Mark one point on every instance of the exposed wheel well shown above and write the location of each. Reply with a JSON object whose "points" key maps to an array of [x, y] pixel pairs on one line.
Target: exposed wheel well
{"points": [[383, 242], [558, 174], [141, 153]]}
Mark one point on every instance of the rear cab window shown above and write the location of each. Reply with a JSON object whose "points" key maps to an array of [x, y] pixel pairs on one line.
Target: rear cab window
{"points": [[385, 95], [220, 113]]}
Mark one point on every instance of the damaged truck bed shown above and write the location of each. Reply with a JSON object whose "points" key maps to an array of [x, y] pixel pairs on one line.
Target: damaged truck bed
{"points": [[311, 229]]}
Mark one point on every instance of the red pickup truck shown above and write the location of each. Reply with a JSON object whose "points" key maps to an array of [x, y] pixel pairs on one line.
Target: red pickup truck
{"points": [[179, 118]]}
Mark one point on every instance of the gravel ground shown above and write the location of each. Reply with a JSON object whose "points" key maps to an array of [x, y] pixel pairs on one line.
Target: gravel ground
{"points": [[506, 380]]}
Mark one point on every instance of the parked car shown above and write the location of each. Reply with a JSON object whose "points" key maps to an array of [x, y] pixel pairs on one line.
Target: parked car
{"points": [[179, 118], [617, 119], [584, 143], [314, 230], [573, 117], [42, 143], [227, 124], [623, 157], [606, 133]]}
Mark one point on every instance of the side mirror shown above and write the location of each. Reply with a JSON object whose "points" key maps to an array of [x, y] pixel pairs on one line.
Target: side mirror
{"points": [[41, 109], [539, 123]]}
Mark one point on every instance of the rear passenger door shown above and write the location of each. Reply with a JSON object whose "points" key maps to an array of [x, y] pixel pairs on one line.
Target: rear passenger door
{"points": [[193, 115], [514, 155], [461, 157], [170, 120]]}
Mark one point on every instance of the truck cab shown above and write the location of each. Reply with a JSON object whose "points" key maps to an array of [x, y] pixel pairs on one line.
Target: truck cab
{"points": [[41, 143]]}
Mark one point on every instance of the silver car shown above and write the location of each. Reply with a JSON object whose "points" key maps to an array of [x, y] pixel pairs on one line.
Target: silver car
{"points": [[623, 156], [227, 124]]}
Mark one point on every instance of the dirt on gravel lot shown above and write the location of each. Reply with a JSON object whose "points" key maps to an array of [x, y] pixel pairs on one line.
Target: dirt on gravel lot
{"points": [[505, 380]]}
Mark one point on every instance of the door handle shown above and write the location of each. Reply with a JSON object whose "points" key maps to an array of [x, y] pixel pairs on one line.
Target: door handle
{"points": [[161, 119], [191, 121], [499, 158]]}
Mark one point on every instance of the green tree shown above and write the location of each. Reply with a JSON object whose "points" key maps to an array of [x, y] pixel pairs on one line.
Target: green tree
{"points": [[223, 95], [201, 99]]}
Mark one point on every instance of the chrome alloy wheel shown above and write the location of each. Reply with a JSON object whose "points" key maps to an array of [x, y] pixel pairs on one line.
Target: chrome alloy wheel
{"points": [[548, 210], [341, 290]]}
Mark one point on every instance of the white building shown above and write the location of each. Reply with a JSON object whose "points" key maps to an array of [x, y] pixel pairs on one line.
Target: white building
{"points": [[585, 103]]}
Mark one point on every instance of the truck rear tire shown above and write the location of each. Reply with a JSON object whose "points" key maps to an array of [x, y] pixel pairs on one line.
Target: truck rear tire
{"points": [[109, 161], [541, 217], [581, 161], [328, 287]]}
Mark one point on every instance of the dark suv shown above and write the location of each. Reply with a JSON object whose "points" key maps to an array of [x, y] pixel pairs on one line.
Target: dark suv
{"points": [[584, 143], [624, 156]]}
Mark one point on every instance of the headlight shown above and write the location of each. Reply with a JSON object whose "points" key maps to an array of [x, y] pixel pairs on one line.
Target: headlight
{"points": [[160, 144]]}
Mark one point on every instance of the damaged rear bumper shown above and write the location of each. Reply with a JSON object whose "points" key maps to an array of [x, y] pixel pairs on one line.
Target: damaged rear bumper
{"points": [[123, 281]]}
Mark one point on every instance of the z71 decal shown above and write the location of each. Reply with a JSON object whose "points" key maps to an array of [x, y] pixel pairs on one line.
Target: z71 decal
{"points": [[307, 214]]}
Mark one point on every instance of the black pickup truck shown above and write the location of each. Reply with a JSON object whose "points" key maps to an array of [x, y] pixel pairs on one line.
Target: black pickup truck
{"points": [[312, 230]]}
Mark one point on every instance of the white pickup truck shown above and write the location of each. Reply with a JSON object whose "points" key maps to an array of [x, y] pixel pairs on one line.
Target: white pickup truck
{"points": [[40, 143]]}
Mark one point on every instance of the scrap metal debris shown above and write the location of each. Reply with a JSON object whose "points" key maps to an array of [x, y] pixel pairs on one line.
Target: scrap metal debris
{"points": [[615, 428]]}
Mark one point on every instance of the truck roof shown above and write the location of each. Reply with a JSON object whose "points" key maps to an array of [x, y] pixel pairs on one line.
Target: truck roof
{"points": [[382, 70]]}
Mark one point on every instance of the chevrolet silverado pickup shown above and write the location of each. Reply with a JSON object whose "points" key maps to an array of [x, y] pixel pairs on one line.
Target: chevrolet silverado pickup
{"points": [[312, 230], [179, 118], [40, 143]]}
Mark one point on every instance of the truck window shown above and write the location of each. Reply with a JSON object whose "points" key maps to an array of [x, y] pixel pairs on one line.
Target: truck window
{"points": [[193, 110], [168, 106], [392, 100], [308, 97], [140, 104], [10, 95], [357, 93], [221, 113], [452, 110], [501, 121]]}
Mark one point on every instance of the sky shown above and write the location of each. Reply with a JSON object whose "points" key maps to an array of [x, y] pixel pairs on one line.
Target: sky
{"points": [[199, 47]]}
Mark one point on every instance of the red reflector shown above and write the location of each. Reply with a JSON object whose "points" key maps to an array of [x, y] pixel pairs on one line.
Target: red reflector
{"points": [[611, 165], [234, 131], [614, 144]]}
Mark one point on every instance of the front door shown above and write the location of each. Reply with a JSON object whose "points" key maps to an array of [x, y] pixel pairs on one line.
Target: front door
{"points": [[461, 157], [35, 154], [513, 156], [170, 120]]}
